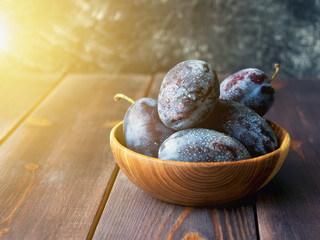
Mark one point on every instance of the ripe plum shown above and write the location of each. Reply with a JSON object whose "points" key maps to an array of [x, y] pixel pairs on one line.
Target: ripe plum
{"points": [[243, 124], [143, 130], [187, 94], [202, 145], [250, 87]]}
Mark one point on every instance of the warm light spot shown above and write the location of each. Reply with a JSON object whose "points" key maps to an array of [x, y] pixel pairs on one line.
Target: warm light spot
{"points": [[295, 144], [110, 123], [44, 122], [4, 34], [32, 166], [192, 236]]}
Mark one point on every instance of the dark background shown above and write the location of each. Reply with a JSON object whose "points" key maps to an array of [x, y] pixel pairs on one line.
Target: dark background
{"points": [[147, 36]]}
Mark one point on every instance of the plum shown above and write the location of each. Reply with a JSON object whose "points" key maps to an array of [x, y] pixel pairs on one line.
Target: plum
{"points": [[202, 145], [187, 95], [250, 87], [143, 130], [243, 124]]}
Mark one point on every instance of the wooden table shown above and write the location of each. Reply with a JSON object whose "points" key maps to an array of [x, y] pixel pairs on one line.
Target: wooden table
{"points": [[59, 180]]}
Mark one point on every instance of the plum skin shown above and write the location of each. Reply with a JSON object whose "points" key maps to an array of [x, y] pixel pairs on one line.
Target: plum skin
{"points": [[243, 124], [187, 94], [250, 87], [202, 145], [143, 130]]}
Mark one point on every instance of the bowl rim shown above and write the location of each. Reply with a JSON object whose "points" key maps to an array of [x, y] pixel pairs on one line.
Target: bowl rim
{"points": [[283, 145]]}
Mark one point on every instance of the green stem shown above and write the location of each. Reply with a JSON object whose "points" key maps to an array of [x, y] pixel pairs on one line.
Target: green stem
{"points": [[277, 66], [119, 96]]}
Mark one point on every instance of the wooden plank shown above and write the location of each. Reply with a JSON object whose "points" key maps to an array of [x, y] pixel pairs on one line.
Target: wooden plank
{"points": [[132, 214], [56, 167], [288, 207], [19, 95]]}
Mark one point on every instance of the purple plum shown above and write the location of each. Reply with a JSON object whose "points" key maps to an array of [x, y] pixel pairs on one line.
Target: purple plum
{"points": [[243, 124], [202, 145], [250, 87], [143, 130], [187, 95]]}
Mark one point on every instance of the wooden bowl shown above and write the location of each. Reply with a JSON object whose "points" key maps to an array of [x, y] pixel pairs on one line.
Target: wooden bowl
{"points": [[198, 184]]}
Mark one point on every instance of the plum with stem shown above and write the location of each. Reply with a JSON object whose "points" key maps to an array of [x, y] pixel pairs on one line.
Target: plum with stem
{"points": [[250, 87], [143, 130]]}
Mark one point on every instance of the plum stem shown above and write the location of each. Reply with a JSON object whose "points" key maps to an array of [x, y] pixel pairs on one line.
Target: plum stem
{"points": [[277, 66], [119, 96]]}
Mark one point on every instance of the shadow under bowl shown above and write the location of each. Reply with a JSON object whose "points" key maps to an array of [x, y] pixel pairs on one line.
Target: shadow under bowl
{"points": [[198, 184]]}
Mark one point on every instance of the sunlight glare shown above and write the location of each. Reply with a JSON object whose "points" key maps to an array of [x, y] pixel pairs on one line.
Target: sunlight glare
{"points": [[4, 34]]}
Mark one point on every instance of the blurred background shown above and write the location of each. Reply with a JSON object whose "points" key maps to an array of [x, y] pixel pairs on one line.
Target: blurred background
{"points": [[148, 36]]}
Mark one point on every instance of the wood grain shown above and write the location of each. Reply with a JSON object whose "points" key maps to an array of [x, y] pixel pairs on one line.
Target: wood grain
{"points": [[145, 217], [288, 207], [132, 214], [56, 167], [19, 95], [198, 184]]}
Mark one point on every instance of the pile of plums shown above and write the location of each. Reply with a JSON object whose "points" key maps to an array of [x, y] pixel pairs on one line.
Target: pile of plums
{"points": [[197, 119]]}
